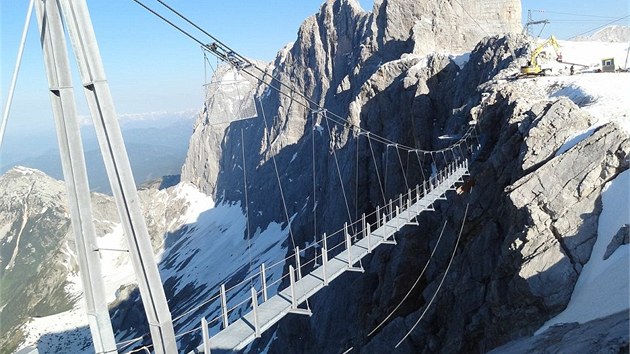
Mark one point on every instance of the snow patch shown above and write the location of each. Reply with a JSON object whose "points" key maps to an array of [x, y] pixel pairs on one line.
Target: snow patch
{"points": [[603, 286], [576, 139], [25, 170], [460, 59], [603, 95], [576, 94]]}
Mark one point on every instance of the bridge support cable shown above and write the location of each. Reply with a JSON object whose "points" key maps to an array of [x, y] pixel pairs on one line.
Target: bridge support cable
{"points": [[386, 173], [275, 166], [356, 180], [415, 283], [249, 235], [424, 177], [404, 173], [301, 287], [408, 163], [16, 71], [230, 56], [343, 189], [378, 176], [448, 267], [313, 130]]}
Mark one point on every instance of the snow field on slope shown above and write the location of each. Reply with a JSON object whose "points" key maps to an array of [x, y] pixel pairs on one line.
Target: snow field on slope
{"points": [[212, 250], [603, 286], [606, 96], [603, 95], [592, 53]]}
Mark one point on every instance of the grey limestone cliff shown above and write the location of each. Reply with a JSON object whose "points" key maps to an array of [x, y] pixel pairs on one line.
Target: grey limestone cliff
{"points": [[387, 71]]}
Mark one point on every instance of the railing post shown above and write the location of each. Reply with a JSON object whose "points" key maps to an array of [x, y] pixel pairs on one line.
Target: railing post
{"points": [[369, 237], [206, 335], [378, 217], [255, 310], [417, 193], [325, 260], [363, 225], [294, 303], [298, 266], [409, 199], [400, 202], [348, 245], [292, 284], [263, 280], [391, 208], [224, 309]]}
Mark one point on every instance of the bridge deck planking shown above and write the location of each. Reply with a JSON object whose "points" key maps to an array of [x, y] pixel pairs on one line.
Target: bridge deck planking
{"points": [[242, 331]]}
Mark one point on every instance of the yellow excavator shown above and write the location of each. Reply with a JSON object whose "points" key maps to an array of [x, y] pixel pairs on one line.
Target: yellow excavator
{"points": [[532, 67]]}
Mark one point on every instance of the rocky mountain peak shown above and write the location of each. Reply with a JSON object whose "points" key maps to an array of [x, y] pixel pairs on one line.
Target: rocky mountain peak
{"points": [[442, 26], [336, 52]]}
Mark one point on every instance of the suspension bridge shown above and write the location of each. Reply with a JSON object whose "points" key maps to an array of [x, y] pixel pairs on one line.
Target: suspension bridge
{"points": [[240, 333], [262, 306]]}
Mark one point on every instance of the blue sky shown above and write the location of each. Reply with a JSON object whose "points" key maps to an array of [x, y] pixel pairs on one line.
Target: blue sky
{"points": [[153, 68]]}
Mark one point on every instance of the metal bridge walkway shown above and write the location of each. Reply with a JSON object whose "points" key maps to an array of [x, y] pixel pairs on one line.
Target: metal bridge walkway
{"points": [[244, 330]]}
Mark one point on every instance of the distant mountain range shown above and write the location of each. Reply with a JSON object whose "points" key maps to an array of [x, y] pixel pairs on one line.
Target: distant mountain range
{"points": [[156, 143], [616, 34]]}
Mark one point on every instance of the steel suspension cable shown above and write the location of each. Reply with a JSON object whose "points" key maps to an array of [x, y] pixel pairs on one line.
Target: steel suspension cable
{"points": [[356, 182], [310, 104], [386, 173], [414, 283], [16, 70], [424, 178], [343, 189], [314, 177], [448, 267], [249, 235], [275, 166], [376, 169], [402, 168], [187, 34]]}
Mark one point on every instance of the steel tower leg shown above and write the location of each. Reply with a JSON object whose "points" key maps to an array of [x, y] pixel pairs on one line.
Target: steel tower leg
{"points": [[75, 174], [101, 105]]}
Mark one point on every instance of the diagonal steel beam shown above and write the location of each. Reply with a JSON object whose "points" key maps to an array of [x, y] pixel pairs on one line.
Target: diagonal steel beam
{"points": [[75, 175], [101, 105]]}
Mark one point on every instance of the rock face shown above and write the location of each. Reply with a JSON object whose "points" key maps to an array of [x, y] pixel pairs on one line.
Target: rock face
{"points": [[451, 26], [533, 209], [335, 53], [622, 237], [226, 99]]}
